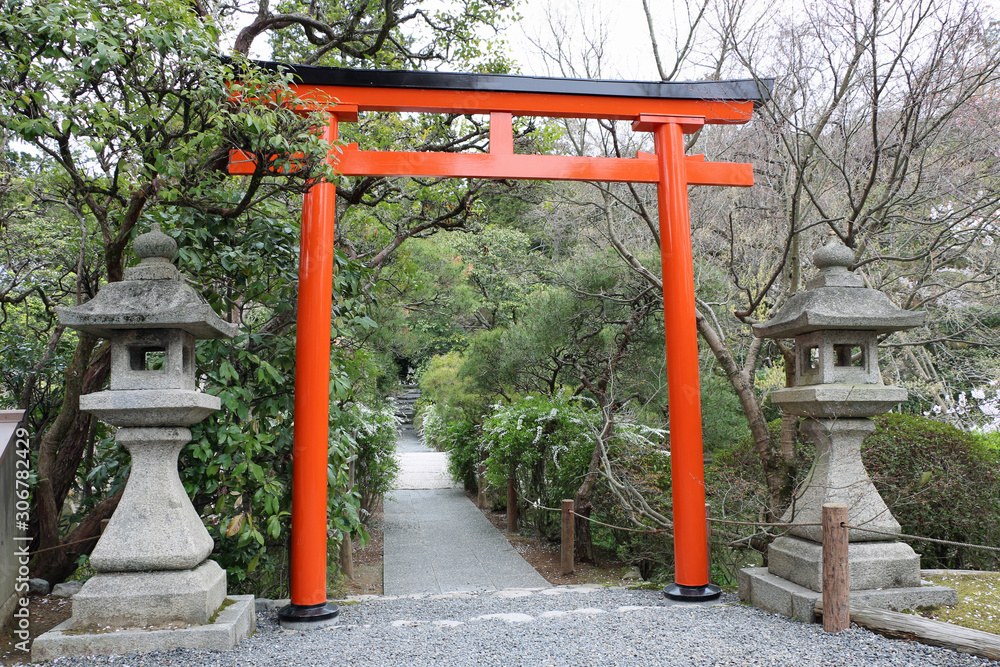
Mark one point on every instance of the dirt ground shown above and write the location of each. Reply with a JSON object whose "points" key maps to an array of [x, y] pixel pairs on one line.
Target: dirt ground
{"points": [[368, 561], [45, 612], [544, 556]]}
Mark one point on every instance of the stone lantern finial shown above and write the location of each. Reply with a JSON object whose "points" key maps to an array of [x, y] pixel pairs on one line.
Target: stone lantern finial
{"points": [[833, 254], [155, 246], [155, 251], [834, 261]]}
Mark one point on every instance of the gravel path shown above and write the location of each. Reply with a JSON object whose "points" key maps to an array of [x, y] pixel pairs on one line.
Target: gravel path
{"points": [[555, 626]]}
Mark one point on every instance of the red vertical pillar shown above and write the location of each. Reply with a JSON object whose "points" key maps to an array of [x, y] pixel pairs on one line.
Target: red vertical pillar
{"points": [[687, 468], [308, 606]]}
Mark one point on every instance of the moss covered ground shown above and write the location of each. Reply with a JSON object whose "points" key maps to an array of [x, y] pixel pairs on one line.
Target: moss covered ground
{"points": [[978, 605]]}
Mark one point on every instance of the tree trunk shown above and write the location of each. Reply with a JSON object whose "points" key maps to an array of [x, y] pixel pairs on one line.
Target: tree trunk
{"points": [[56, 565], [778, 475], [59, 455], [781, 475], [47, 505], [784, 465], [76, 442], [584, 541]]}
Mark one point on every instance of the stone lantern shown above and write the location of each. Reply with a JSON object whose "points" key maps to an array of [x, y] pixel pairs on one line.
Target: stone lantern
{"points": [[835, 323], [152, 560]]}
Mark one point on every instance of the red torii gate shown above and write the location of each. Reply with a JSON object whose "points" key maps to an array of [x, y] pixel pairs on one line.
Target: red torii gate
{"points": [[667, 109]]}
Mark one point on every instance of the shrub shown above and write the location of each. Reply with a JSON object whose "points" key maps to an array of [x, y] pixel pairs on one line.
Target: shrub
{"points": [[431, 426], [723, 420], [464, 454], [548, 443], [939, 482], [442, 383], [989, 441], [644, 466], [376, 467]]}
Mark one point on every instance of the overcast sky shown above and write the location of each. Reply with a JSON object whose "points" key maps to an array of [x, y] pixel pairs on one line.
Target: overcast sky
{"points": [[628, 53]]}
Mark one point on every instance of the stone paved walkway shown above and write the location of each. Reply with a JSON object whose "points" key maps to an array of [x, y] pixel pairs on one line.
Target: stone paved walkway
{"points": [[422, 468], [435, 540]]}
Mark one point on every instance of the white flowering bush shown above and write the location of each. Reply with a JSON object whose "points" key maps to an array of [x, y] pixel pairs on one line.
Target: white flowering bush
{"points": [[432, 427], [458, 437], [375, 435], [977, 410], [546, 441]]}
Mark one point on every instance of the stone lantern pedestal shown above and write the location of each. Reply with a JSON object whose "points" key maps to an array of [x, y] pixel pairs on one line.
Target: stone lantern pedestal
{"points": [[838, 386], [155, 587]]}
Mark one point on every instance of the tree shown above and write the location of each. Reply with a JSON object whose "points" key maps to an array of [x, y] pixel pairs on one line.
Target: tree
{"points": [[131, 112], [128, 114], [875, 130], [875, 126], [571, 324]]}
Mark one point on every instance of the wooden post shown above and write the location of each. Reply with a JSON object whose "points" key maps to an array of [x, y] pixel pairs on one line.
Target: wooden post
{"points": [[568, 536], [836, 576], [347, 544], [481, 484], [511, 504]]}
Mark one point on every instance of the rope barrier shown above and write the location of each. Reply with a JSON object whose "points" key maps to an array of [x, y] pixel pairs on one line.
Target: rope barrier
{"points": [[905, 536], [766, 525], [538, 505], [631, 530], [926, 539], [63, 546]]}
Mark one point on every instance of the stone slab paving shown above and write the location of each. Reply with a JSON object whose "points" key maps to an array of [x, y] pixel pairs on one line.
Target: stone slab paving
{"points": [[436, 540], [420, 466], [424, 471]]}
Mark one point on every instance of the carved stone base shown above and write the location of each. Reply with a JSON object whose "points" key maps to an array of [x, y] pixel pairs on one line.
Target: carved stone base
{"points": [[778, 596], [234, 624], [150, 599], [871, 565], [839, 476], [155, 526]]}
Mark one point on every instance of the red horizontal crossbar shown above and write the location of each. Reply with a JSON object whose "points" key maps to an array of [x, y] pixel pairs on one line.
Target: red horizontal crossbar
{"points": [[315, 97], [641, 169], [354, 162]]}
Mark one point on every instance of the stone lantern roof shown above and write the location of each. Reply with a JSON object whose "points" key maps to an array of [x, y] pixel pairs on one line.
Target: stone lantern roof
{"points": [[153, 295], [837, 299]]}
